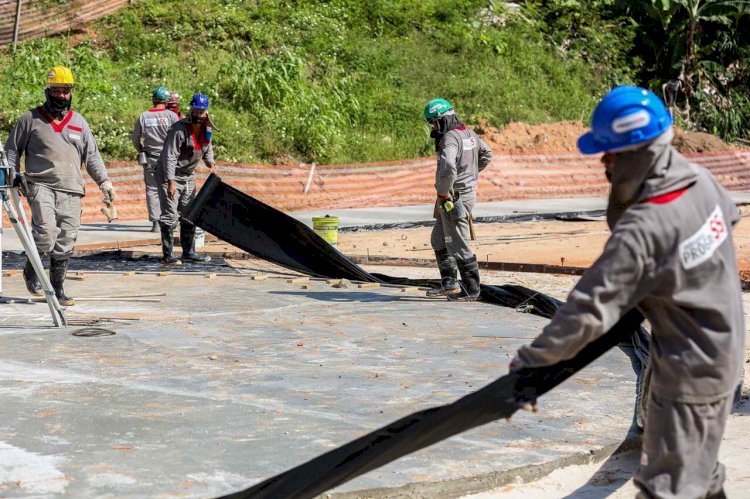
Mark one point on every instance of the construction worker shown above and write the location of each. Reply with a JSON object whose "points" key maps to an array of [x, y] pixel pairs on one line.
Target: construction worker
{"points": [[55, 141], [173, 104], [461, 155], [188, 141], [148, 139], [671, 255]]}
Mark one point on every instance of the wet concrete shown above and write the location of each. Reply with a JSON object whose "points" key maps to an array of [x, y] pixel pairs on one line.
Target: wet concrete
{"points": [[228, 380]]}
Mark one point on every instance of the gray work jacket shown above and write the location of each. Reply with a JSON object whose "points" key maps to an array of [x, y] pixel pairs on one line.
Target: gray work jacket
{"points": [[461, 156], [54, 152], [181, 153], [670, 254]]}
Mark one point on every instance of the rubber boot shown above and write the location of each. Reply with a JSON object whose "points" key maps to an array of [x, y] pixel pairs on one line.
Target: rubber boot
{"points": [[32, 281], [57, 271], [167, 244], [448, 272], [155, 227], [718, 495], [187, 240], [469, 270]]}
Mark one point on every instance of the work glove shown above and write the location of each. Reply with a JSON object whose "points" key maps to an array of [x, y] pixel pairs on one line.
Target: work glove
{"points": [[454, 210], [212, 168], [526, 395], [19, 184], [108, 190]]}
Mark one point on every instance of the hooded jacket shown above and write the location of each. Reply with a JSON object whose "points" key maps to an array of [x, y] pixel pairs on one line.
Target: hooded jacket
{"points": [[670, 254]]}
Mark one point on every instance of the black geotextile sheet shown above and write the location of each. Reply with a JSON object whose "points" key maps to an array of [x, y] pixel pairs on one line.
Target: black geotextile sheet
{"points": [[269, 234]]}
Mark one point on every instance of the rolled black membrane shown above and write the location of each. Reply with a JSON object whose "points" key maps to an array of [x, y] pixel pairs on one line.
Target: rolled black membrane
{"points": [[267, 233]]}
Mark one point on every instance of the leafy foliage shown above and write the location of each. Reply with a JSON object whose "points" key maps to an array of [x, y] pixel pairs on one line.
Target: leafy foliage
{"points": [[326, 81]]}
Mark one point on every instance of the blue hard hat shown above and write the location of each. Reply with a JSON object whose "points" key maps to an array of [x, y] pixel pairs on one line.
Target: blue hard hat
{"points": [[199, 101], [625, 117]]}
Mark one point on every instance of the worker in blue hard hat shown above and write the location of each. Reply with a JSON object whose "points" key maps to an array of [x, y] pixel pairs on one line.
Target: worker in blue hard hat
{"points": [[671, 255], [187, 143]]}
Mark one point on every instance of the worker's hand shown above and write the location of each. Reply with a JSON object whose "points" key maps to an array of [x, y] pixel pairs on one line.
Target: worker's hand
{"points": [[18, 183], [212, 168], [526, 398], [171, 189], [108, 190], [515, 365]]}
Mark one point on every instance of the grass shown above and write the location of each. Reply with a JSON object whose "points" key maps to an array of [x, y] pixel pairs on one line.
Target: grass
{"points": [[327, 81]]}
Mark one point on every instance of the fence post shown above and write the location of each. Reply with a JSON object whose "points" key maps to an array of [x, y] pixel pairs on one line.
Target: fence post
{"points": [[309, 179], [18, 22]]}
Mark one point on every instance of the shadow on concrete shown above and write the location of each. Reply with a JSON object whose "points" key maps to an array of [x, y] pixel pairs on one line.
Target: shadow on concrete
{"points": [[620, 467], [351, 296]]}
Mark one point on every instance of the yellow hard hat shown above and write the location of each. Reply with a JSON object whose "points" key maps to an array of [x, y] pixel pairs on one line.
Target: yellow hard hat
{"points": [[60, 75]]}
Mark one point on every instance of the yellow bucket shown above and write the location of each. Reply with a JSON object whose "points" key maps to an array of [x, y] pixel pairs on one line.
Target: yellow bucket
{"points": [[327, 227]]}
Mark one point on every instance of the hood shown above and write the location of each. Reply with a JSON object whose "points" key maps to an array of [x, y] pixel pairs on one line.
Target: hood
{"points": [[652, 170]]}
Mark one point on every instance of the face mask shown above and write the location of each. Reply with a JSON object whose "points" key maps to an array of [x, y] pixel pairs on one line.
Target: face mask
{"points": [[58, 105], [198, 120]]}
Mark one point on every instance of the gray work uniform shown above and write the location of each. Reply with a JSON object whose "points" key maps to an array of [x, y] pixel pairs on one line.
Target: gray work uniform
{"points": [[180, 156], [148, 137], [671, 254], [53, 157], [461, 156]]}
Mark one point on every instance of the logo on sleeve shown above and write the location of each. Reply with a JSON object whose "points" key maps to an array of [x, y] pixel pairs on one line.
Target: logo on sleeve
{"points": [[703, 244], [469, 143]]}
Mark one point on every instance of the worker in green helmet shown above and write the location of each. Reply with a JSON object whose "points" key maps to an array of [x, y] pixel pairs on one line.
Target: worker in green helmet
{"points": [[461, 155], [148, 138]]}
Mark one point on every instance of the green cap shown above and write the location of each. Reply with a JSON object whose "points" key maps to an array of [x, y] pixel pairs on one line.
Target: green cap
{"points": [[436, 108], [161, 94]]}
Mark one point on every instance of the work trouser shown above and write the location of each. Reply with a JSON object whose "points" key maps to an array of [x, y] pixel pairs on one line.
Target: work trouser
{"points": [[152, 189], [55, 220], [172, 208], [636, 347], [681, 448], [453, 235]]}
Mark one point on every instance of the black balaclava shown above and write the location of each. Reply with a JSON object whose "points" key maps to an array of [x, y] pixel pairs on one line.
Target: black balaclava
{"points": [[56, 106], [444, 124]]}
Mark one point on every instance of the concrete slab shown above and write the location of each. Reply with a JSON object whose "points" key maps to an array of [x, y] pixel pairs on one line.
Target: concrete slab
{"points": [[227, 381]]}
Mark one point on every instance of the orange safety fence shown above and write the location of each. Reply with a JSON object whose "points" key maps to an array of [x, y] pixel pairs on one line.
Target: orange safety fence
{"points": [[400, 183]]}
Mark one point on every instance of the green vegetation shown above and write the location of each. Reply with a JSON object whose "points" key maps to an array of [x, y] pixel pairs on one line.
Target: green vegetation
{"points": [[345, 80], [326, 81]]}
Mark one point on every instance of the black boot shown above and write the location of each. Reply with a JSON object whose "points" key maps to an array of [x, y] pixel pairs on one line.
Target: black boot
{"points": [[32, 281], [469, 270], [57, 271], [187, 240], [448, 272], [167, 244]]}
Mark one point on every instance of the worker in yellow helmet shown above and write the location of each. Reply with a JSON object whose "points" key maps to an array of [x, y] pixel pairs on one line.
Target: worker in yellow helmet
{"points": [[55, 141]]}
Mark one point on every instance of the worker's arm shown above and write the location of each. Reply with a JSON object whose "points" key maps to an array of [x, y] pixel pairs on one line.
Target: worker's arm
{"points": [[485, 155], [616, 282], [137, 134], [446, 168], [208, 158], [92, 158], [15, 146], [171, 152]]}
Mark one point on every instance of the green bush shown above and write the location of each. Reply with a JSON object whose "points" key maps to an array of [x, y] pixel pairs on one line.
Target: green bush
{"points": [[327, 81]]}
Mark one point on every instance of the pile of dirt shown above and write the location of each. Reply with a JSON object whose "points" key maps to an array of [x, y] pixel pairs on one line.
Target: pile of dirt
{"points": [[562, 137]]}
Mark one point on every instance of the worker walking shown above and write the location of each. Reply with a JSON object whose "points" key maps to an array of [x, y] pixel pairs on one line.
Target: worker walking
{"points": [[148, 139], [461, 155], [671, 255], [55, 142], [187, 143]]}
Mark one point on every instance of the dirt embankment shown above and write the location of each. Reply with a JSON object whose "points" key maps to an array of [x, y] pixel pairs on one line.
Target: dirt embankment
{"points": [[562, 137]]}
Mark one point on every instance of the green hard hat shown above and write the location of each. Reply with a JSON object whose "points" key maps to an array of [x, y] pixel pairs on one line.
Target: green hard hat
{"points": [[436, 108], [161, 94]]}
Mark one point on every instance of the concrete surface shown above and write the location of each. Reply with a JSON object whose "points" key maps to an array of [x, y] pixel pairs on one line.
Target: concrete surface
{"points": [[227, 381]]}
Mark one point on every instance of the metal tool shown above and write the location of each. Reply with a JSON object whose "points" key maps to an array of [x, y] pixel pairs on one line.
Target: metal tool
{"points": [[12, 203]]}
